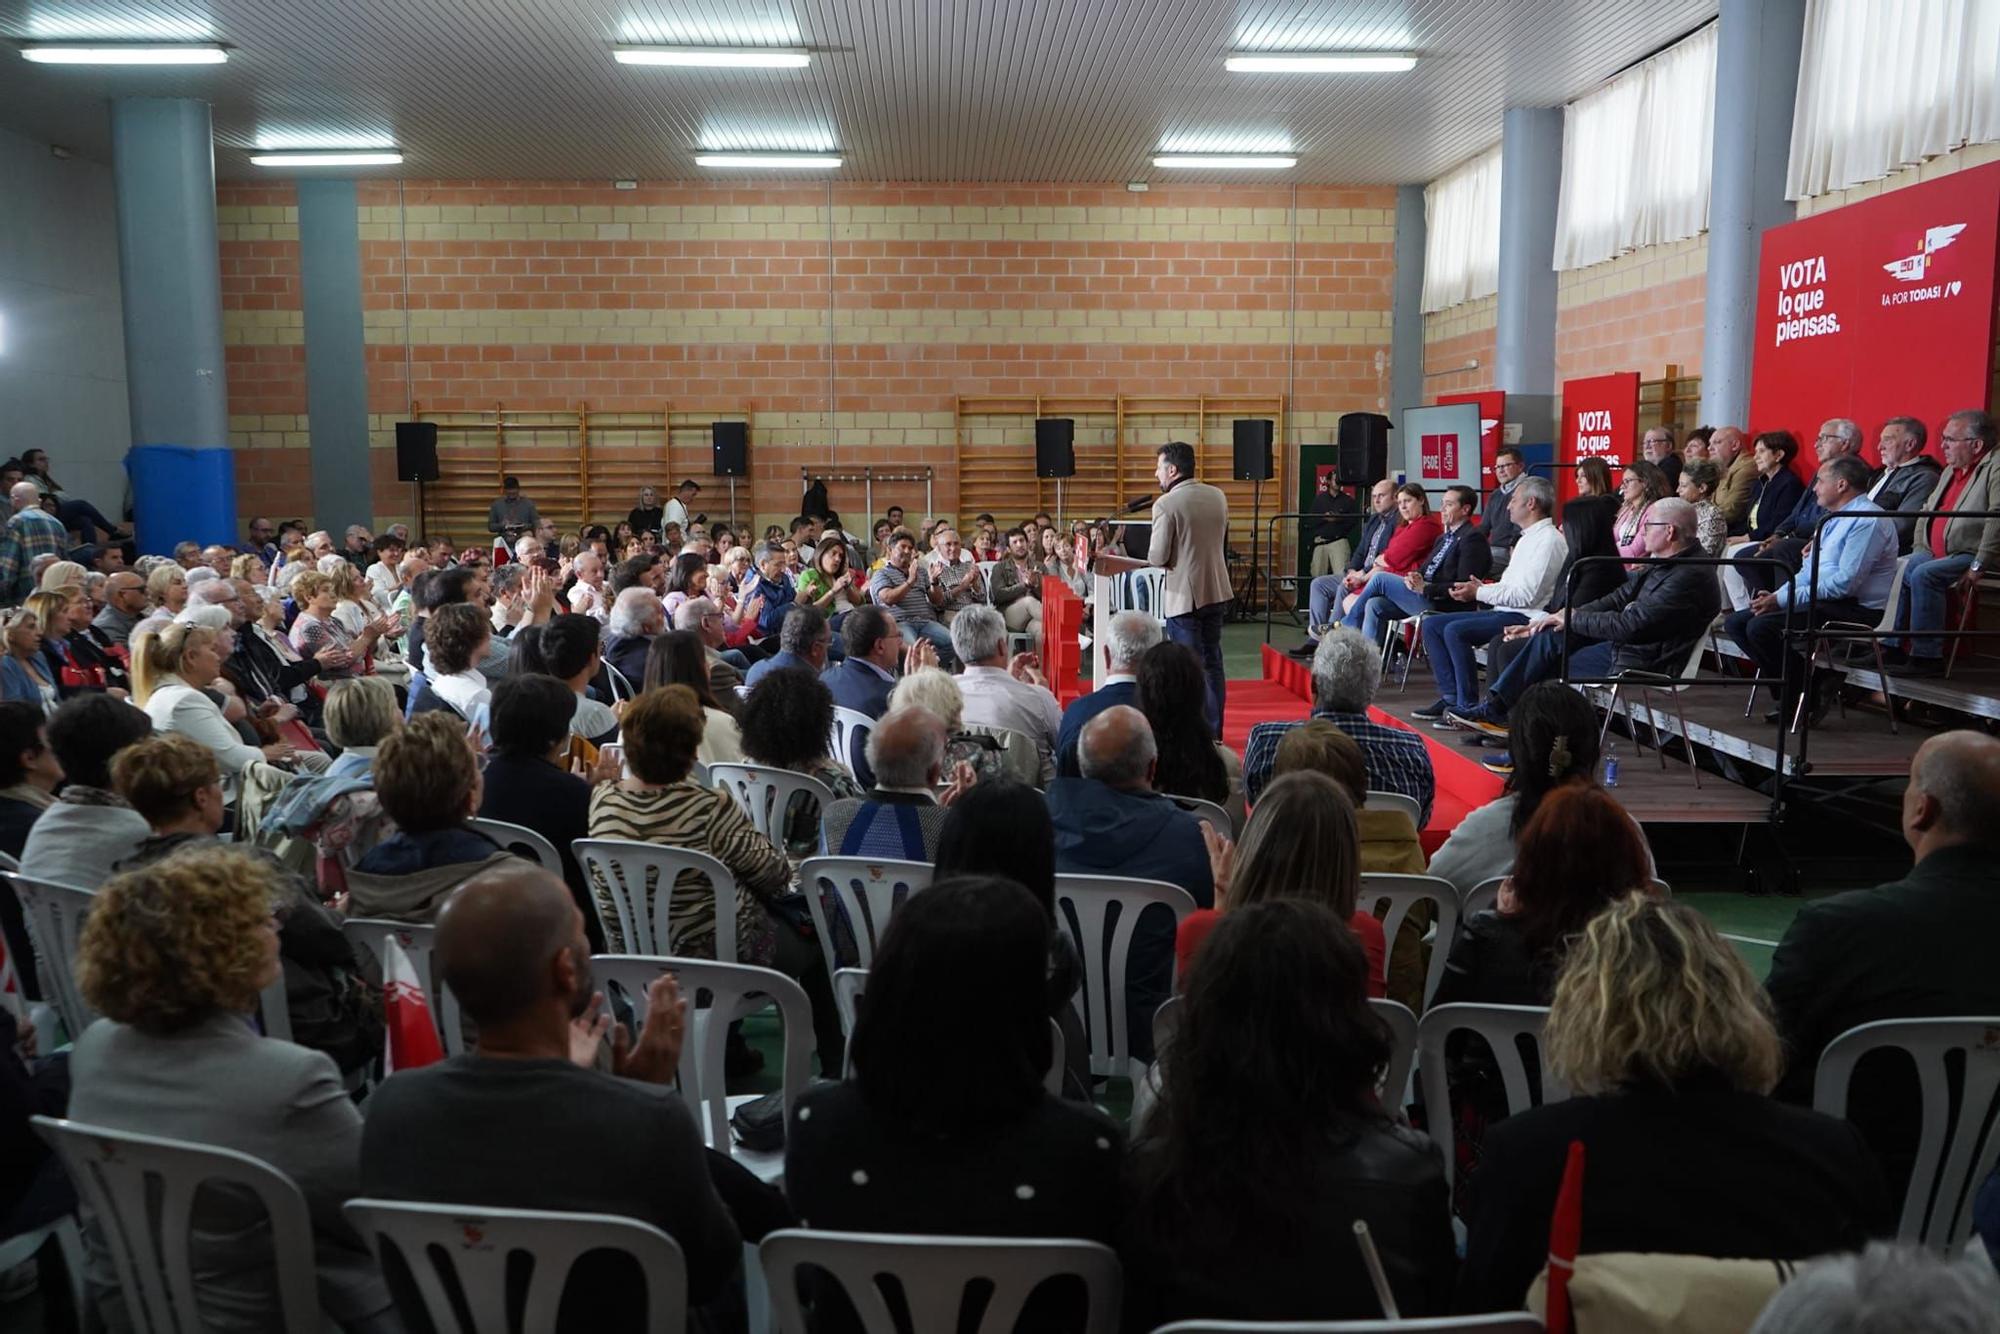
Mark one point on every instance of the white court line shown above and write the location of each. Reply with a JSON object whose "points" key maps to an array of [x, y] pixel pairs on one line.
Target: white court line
{"points": [[1749, 940]]}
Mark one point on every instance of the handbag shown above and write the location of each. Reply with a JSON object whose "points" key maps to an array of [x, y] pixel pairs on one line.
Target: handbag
{"points": [[759, 1124]]}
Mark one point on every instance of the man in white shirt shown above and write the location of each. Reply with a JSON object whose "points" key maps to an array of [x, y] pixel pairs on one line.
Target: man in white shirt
{"points": [[675, 511], [998, 693], [588, 596], [1522, 590], [957, 574], [1131, 634]]}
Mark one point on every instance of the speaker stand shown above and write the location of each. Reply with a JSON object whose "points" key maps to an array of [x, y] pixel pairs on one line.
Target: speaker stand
{"points": [[1059, 504], [1247, 599], [417, 487], [732, 502]]}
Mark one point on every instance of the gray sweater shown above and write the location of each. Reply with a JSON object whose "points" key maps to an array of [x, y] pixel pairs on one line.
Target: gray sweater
{"points": [[78, 845]]}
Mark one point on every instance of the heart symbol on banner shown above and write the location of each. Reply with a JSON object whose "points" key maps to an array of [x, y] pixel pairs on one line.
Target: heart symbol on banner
{"points": [[1953, 289]]}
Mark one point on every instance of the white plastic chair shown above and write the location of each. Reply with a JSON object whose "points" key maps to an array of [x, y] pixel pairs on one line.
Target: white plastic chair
{"points": [[478, 1248], [1501, 1026], [55, 916], [849, 741], [621, 685], [522, 842], [1403, 892], [1140, 590], [1960, 1141], [1377, 800], [851, 984], [416, 939], [141, 1190], [639, 878], [1502, 1322], [934, 1274], [8, 864], [1083, 904], [274, 1010], [1206, 810], [766, 794], [869, 892], [735, 990]]}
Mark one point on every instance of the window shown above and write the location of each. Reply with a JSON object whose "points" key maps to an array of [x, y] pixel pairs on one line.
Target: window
{"points": [[1462, 233]]}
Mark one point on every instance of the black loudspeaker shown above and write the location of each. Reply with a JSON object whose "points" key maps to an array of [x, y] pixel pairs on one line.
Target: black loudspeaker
{"points": [[1364, 448], [1253, 449], [732, 448], [416, 451], [1055, 447]]}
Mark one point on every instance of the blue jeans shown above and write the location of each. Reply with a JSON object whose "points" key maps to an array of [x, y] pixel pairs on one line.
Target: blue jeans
{"points": [[1927, 580], [1384, 595], [1201, 630], [935, 631], [1450, 641], [1325, 595], [1541, 661]]}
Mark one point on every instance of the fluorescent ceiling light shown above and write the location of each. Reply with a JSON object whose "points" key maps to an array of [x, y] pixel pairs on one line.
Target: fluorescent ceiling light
{"points": [[1320, 62], [1272, 161], [815, 160], [713, 57], [125, 53], [364, 158]]}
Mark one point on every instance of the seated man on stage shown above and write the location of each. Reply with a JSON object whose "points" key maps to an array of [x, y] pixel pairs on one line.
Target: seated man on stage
{"points": [[1856, 570], [1948, 554], [1326, 591], [1838, 437], [1527, 585], [1461, 554], [1646, 624]]}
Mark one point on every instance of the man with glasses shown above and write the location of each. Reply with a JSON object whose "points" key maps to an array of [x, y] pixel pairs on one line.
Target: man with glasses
{"points": [[1838, 438], [1657, 448], [1950, 554], [1498, 526]]}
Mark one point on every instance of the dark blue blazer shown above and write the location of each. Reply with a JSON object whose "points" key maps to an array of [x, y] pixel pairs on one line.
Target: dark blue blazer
{"points": [[857, 686], [780, 660], [1080, 712], [1775, 498]]}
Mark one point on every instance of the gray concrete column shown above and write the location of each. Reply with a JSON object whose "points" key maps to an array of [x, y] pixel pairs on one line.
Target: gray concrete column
{"points": [[1406, 319], [163, 166], [336, 369], [1756, 83], [1524, 343]]}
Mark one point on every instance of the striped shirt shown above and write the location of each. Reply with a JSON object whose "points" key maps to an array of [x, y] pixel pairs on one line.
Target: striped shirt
{"points": [[686, 815], [1396, 758]]}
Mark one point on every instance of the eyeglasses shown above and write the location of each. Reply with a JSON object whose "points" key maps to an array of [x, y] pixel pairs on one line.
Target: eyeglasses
{"points": [[1657, 523], [1960, 439]]}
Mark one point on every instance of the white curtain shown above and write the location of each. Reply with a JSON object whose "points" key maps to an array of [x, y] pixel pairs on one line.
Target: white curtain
{"points": [[1884, 84], [1462, 233], [1636, 156]]}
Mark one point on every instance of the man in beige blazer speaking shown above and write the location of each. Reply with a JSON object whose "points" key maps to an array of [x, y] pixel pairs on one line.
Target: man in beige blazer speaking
{"points": [[1190, 527]]}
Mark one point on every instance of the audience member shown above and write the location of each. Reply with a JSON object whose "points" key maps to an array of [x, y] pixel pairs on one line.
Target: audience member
{"points": [[1301, 843], [703, 619], [29, 773], [1501, 527], [903, 588], [24, 671], [1325, 592], [1948, 554], [1788, 539], [124, 607], [1016, 588], [803, 641], [525, 781], [174, 956], [569, 645], [1458, 555], [901, 815], [787, 723], [1587, 533], [31, 533], [167, 589], [523, 1121], [359, 714], [428, 783], [1657, 448], [1697, 488], [1729, 452], [1907, 478], [636, 617], [1220, 1220], [1130, 634], [946, 1122], [1913, 948], [676, 658], [1167, 679], [1593, 478], [1848, 579], [171, 671], [1530, 579], [1003, 692], [1887, 1289], [317, 627], [862, 680], [1666, 1045], [1646, 624], [1642, 485], [456, 638], [1345, 672], [89, 828]]}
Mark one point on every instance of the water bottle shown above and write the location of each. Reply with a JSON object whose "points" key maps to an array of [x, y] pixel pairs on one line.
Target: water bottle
{"points": [[1611, 771]]}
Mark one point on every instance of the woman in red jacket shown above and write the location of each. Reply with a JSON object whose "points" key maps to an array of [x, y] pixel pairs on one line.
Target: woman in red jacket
{"points": [[1415, 535]]}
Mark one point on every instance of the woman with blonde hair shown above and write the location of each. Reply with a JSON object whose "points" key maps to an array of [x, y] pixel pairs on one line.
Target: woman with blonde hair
{"points": [[174, 956], [1301, 843], [249, 566], [1667, 1046], [318, 628], [24, 671], [172, 669], [63, 574], [167, 589], [62, 613], [936, 691]]}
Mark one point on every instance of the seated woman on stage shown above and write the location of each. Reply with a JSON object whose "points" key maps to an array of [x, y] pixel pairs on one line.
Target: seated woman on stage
{"points": [[1416, 533]]}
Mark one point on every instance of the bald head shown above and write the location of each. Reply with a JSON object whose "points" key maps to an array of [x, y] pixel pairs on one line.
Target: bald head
{"points": [[23, 494], [1117, 749], [1954, 792], [906, 748], [498, 936], [1725, 445]]}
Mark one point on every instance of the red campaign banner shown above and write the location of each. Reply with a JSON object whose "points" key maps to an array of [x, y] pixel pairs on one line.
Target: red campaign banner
{"points": [[1600, 420], [1879, 309], [1492, 405]]}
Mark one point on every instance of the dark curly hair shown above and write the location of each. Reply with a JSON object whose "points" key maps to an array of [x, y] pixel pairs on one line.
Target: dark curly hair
{"points": [[1171, 687], [1552, 736], [1254, 1081], [787, 719]]}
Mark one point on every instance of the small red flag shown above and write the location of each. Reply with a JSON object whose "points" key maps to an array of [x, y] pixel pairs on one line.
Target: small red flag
{"points": [[1565, 1236], [413, 1034]]}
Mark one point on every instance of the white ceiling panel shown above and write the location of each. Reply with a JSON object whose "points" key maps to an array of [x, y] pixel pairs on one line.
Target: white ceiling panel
{"points": [[910, 90]]}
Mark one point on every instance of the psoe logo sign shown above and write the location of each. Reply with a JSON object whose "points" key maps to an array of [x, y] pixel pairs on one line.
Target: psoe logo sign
{"points": [[1912, 268]]}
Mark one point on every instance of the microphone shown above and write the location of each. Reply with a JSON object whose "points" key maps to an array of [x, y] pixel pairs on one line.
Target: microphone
{"points": [[1134, 506]]}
